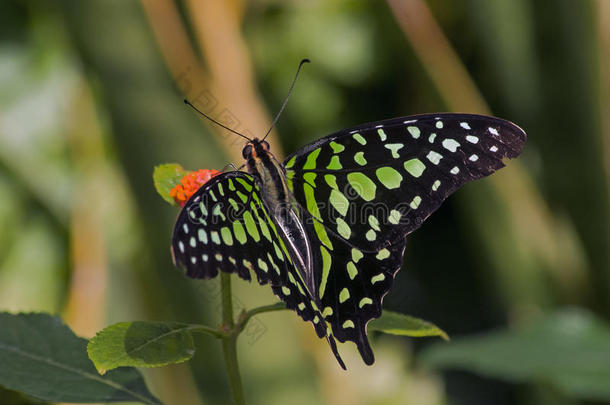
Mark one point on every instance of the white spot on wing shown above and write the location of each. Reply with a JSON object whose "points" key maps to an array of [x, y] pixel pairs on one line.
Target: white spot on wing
{"points": [[465, 125], [434, 157], [493, 148], [414, 131], [493, 131], [451, 144]]}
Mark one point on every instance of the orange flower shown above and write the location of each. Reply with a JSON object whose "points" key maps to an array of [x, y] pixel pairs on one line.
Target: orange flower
{"points": [[190, 183]]}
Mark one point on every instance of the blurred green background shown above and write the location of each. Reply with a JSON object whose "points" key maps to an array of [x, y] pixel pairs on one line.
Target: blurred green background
{"points": [[516, 267]]}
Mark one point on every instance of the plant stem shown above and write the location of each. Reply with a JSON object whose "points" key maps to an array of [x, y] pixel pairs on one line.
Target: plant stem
{"points": [[229, 342], [245, 316]]}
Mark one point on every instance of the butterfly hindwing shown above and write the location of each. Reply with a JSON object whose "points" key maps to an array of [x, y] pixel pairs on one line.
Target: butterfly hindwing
{"points": [[366, 188]]}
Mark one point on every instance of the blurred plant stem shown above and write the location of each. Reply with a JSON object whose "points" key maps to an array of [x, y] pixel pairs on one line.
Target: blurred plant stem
{"points": [[86, 304], [527, 220], [217, 25], [604, 32], [231, 331], [229, 342], [227, 92]]}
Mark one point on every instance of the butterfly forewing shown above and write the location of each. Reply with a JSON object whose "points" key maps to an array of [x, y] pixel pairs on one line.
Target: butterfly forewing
{"points": [[366, 188], [225, 227]]}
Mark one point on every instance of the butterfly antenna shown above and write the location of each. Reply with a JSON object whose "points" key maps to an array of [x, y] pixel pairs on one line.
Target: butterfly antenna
{"points": [[304, 61], [214, 121]]}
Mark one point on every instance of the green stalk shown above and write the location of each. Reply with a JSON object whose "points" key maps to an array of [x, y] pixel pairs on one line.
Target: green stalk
{"points": [[229, 341]]}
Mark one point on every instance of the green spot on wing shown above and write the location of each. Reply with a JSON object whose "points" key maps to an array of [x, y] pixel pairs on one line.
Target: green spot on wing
{"points": [[310, 178], [240, 233], [262, 265], [348, 324], [415, 202], [310, 163], [290, 163], [394, 217], [251, 226], [414, 131], [363, 185], [394, 147], [337, 147], [334, 164], [351, 270], [382, 134], [262, 223], [343, 228], [326, 262], [371, 235], [339, 201], [365, 301], [215, 237], [278, 252], [415, 167], [245, 184], [242, 196], [227, 237], [389, 177], [234, 204], [331, 180], [343, 295], [356, 255], [359, 138], [383, 254], [359, 158]]}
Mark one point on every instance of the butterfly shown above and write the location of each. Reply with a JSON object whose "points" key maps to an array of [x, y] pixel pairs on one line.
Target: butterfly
{"points": [[327, 227]]}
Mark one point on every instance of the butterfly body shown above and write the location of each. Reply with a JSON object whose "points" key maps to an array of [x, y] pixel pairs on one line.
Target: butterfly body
{"points": [[284, 211], [327, 228]]}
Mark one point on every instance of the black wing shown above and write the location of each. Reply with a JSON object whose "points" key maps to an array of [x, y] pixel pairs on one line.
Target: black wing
{"points": [[367, 187], [226, 227]]}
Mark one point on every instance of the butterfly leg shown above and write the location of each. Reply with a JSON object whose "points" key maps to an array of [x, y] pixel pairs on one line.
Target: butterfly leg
{"points": [[230, 166]]}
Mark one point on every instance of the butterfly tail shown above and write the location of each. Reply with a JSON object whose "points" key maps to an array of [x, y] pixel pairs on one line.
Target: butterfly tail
{"points": [[333, 347], [365, 350]]}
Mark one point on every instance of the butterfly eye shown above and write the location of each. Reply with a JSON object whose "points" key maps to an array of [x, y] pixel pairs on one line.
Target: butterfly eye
{"points": [[265, 145], [247, 151]]}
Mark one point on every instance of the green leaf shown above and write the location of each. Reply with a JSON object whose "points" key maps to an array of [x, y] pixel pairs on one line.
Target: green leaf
{"points": [[569, 349], [166, 177], [43, 358], [405, 325], [141, 344]]}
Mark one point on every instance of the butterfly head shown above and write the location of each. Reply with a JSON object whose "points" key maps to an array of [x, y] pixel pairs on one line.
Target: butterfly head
{"points": [[255, 149]]}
